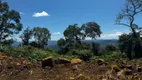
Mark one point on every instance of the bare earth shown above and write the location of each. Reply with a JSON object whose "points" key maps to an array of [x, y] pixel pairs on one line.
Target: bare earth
{"points": [[22, 69]]}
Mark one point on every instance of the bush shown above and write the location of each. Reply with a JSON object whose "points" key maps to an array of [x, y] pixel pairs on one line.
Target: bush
{"points": [[82, 54], [28, 52], [110, 47], [95, 48], [110, 56]]}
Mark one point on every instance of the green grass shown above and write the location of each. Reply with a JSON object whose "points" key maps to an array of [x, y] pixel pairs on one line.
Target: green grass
{"points": [[32, 53], [110, 56]]}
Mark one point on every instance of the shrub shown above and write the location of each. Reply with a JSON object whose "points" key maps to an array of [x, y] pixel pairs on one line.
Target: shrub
{"points": [[110, 47], [110, 56], [82, 54], [95, 48], [28, 52]]}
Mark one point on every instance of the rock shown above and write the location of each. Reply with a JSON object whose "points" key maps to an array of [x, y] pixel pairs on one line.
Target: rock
{"points": [[104, 79], [1, 56], [115, 68], [76, 61], [121, 75], [62, 61], [75, 67], [18, 64], [139, 69], [47, 62], [81, 77], [100, 61], [5, 57], [129, 67], [9, 67], [128, 72]]}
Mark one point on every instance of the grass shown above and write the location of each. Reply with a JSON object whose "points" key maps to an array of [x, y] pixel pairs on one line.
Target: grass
{"points": [[109, 56]]}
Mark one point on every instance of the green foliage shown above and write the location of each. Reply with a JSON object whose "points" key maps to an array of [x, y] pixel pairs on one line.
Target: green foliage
{"points": [[61, 43], [34, 44], [26, 36], [8, 42], [9, 21], [110, 47], [82, 54], [83, 45], [91, 29], [131, 9], [32, 53], [95, 48], [73, 35], [29, 52], [41, 35], [110, 56], [130, 45]]}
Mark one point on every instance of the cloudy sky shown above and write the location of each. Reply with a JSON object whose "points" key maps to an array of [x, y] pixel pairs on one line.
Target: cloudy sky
{"points": [[56, 15]]}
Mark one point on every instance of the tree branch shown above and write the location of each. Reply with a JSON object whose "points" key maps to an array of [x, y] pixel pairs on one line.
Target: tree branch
{"points": [[123, 24]]}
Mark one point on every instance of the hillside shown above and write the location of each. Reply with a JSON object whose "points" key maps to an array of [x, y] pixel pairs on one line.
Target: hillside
{"points": [[21, 69]]}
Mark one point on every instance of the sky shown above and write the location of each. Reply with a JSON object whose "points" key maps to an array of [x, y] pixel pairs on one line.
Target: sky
{"points": [[56, 15]]}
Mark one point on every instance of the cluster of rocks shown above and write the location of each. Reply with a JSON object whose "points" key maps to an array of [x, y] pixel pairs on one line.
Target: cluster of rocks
{"points": [[8, 64], [123, 71], [50, 62]]}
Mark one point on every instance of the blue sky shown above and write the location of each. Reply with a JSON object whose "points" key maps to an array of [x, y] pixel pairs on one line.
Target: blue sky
{"points": [[56, 15]]}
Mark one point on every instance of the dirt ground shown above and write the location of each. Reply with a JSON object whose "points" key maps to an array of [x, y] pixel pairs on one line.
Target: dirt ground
{"points": [[22, 69]]}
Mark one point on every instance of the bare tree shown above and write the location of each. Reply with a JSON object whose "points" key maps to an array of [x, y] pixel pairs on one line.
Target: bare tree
{"points": [[132, 8]]}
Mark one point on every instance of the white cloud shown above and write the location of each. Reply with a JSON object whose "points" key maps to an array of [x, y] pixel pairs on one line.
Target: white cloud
{"points": [[40, 14], [56, 33], [8, 38], [111, 36], [21, 13]]}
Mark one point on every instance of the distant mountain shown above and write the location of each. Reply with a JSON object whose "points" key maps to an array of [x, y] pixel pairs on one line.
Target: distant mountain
{"points": [[103, 43]]}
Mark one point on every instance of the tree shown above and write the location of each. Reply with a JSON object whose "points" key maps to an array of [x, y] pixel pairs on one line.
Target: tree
{"points": [[62, 45], [26, 36], [9, 21], [126, 45], [34, 44], [110, 47], [73, 35], [91, 29], [95, 48], [42, 36], [126, 18], [132, 8], [8, 42]]}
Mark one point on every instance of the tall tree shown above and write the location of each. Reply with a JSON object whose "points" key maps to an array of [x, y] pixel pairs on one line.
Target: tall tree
{"points": [[42, 36], [73, 35], [62, 46], [126, 44], [26, 36], [91, 29], [127, 18], [132, 8], [9, 21]]}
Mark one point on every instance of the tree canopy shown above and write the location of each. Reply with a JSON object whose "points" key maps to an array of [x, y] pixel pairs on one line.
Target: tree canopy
{"points": [[92, 29], [26, 36], [9, 21], [42, 36]]}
